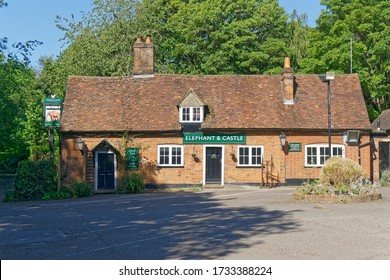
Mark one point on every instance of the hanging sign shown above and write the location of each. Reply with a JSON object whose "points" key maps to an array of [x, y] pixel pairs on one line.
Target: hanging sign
{"points": [[132, 158], [214, 138], [52, 108]]}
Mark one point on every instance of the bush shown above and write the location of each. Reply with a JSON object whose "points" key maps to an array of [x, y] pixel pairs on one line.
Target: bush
{"points": [[33, 179], [385, 178], [9, 163], [133, 183], [63, 193], [340, 172], [312, 187], [81, 189]]}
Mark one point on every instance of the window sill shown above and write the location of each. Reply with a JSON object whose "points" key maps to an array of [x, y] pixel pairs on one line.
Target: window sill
{"points": [[170, 166], [313, 166], [249, 166]]}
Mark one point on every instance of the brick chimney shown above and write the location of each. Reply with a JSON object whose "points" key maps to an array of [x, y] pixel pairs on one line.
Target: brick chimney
{"points": [[143, 57], [288, 83]]}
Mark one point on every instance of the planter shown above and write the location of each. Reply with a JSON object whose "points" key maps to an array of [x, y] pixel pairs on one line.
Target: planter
{"points": [[334, 198]]}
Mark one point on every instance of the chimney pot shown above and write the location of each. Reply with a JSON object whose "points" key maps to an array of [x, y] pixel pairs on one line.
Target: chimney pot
{"points": [[287, 63], [139, 40], [148, 39]]}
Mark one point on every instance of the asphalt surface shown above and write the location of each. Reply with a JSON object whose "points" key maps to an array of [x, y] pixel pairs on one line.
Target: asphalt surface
{"points": [[244, 223]]}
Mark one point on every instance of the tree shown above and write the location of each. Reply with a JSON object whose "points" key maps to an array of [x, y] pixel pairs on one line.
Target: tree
{"points": [[17, 97], [198, 37], [366, 22], [225, 36], [297, 36]]}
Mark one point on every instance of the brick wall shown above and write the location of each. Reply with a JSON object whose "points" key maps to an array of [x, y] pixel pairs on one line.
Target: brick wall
{"points": [[73, 164]]}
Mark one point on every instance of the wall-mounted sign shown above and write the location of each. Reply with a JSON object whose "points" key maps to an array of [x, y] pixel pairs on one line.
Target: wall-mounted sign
{"points": [[214, 138], [295, 147], [132, 158], [52, 108]]}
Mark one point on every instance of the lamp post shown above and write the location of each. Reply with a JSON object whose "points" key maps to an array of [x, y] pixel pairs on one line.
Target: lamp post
{"points": [[283, 138], [329, 76]]}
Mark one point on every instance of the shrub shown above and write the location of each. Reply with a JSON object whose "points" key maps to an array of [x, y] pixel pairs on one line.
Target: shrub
{"points": [[33, 179], [9, 163], [312, 187], [385, 178], [81, 189], [133, 182], [340, 172], [63, 193]]}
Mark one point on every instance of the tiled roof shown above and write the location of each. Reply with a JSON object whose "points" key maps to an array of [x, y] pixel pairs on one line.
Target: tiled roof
{"points": [[234, 102], [384, 121]]}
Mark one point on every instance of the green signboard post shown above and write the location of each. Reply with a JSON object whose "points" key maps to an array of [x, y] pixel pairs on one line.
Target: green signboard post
{"points": [[214, 138], [132, 158]]}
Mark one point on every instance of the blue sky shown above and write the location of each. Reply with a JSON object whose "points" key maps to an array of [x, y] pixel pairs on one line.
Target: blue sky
{"points": [[25, 20]]}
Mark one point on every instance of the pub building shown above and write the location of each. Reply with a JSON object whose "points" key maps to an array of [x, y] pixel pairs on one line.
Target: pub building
{"points": [[186, 130]]}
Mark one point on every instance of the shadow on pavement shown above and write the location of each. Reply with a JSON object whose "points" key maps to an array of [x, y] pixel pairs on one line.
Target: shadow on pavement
{"points": [[148, 226]]}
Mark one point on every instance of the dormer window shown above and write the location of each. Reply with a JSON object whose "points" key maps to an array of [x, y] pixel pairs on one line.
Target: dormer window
{"points": [[191, 108], [191, 114]]}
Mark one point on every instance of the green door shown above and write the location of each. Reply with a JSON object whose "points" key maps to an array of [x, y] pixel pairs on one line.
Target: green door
{"points": [[105, 171]]}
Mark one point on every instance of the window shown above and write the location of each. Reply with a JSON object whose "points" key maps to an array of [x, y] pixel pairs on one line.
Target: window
{"points": [[316, 155], [191, 114], [250, 155], [170, 155]]}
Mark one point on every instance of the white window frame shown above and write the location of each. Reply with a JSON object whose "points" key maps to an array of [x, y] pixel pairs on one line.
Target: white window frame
{"points": [[192, 111], [318, 155], [250, 155], [170, 155]]}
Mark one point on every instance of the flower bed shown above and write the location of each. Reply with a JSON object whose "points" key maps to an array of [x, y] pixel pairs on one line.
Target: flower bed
{"points": [[333, 198]]}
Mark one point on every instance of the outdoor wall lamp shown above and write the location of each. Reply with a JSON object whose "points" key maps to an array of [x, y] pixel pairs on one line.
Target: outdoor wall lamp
{"points": [[283, 138], [80, 145], [353, 137]]}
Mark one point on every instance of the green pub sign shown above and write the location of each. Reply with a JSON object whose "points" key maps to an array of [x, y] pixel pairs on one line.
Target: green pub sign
{"points": [[52, 109], [295, 147], [215, 138], [132, 158]]}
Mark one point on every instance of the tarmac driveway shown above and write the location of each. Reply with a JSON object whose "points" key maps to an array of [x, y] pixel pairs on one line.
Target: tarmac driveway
{"points": [[247, 223]]}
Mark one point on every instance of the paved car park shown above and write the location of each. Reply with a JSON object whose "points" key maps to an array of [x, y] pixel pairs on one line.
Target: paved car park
{"points": [[244, 223]]}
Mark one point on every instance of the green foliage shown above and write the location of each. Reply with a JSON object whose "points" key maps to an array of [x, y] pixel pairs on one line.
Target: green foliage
{"points": [[11, 196], [339, 172], [132, 182], [385, 178], [312, 187], [63, 193], [81, 189], [366, 23], [9, 162], [33, 179], [16, 82], [197, 37]]}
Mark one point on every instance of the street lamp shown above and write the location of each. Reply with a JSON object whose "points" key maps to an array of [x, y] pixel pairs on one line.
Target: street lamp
{"points": [[329, 76]]}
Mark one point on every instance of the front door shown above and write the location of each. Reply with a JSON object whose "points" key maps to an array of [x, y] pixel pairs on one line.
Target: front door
{"points": [[384, 157], [213, 165], [105, 171]]}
